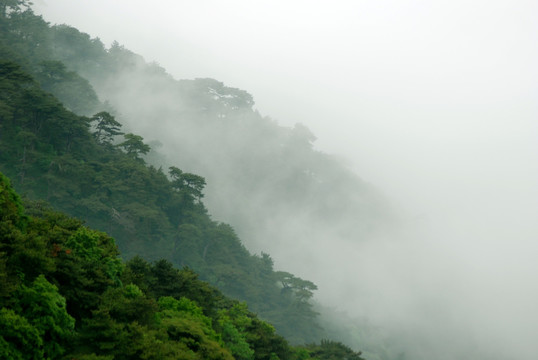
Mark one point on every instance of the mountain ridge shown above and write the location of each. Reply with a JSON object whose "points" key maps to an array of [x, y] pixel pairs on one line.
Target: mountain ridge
{"points": [[296, 184]]}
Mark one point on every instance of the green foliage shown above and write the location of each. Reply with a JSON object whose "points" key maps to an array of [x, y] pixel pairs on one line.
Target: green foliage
{"points": [[266, 344], [96, 247], [75, 92], [162, 312], [8, 6], [303, 289], [128, 304], [162, 280], [11, 210], [106, 127], [185, 305], [134, 145], [234, 322], [332, 350], [21, 252], [184, 322], [18, 338], [94, 357], [46, 310], [190, 184]]}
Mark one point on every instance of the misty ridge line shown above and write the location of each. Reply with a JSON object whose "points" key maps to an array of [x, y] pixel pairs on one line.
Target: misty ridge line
{"points": [[300, 223], [210, 101], [95, 176], [431, 261], [295, 229]]}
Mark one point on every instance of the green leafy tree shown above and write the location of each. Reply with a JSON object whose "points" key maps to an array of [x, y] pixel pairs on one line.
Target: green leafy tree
{"points": [[333, 350], [88, 262], [191, 184], [265, 342], [303, 290], [7, 6], [234, 322], [106, 127], [129, 304], [70, 88], [45, 309], [98, 249], [185, 323], [11, 209], [134, 145], [120, 324], [21, 251], [18, 338]]}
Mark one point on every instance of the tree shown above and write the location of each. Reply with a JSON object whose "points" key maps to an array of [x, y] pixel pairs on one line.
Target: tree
{"points": [[46, 310], [134, 145], [97, 249], [18, 338], [11, 210], [185, 323], [333, 350], [106, 127], [70, 88], [233, 322], [265, 342], [7, 6], [193, 185], [302, 289]]}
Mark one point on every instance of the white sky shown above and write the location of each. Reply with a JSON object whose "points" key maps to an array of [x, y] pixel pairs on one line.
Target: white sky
{"points": [[434, 102]]}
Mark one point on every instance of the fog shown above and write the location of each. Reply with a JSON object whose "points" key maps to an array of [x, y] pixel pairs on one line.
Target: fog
{"points": [[432, 102]]}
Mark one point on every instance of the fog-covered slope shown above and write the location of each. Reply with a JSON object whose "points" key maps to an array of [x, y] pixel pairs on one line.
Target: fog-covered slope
{"points": [[281, 194], [451, 134], [89, 168], [284, 197]]}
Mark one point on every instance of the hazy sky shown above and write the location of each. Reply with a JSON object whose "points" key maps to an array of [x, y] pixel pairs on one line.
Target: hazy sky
{"points": [[434, 93], [434, 102]]}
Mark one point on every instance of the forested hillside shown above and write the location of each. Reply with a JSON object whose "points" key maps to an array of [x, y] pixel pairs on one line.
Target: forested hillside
{"points": [[280, 194], [268, 181], [65, 294], [71, 115], [89, 168]]}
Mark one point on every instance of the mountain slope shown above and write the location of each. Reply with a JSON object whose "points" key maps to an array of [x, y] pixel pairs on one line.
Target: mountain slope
{"points": [[53, 155], [267, 180], [65, 294], [280, 193]]}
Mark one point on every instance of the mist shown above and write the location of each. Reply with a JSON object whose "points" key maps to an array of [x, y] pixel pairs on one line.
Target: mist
{"points": [[433, 104]]}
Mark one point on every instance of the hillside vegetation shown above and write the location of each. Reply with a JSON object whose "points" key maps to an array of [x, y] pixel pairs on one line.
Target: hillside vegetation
{"points": [[87, 167], [71, 115], [65, 294]]}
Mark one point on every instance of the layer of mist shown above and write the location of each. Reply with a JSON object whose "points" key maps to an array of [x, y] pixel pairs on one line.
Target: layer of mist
{"points": [[425, 226]]}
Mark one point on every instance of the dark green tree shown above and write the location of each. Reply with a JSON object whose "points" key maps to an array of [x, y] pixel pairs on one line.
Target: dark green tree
{"points": [[185, 323], [19, 339], [303, 290], [134, 145], [191, 184], [45, 309], [106, 127], [7, 6], [70, 88], [333, 350]]}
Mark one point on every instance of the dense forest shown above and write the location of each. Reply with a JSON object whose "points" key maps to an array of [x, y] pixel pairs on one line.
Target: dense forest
{"points": [[62, 145], [65, 293]]}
